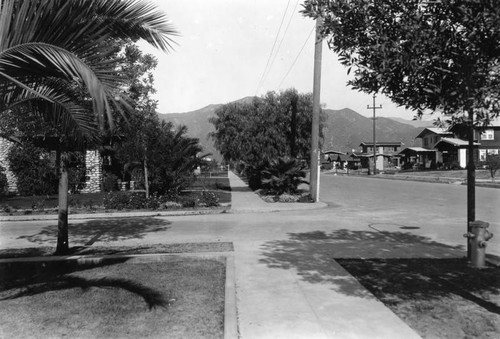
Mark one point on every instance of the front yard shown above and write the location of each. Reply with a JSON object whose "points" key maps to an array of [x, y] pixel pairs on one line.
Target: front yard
{"points": [[203, 193], [182, 297]]}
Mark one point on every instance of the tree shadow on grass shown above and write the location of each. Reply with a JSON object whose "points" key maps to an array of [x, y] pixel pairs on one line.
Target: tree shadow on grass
{"points": [[115, 229], [24, 279], [313, 254], [397, 280]]}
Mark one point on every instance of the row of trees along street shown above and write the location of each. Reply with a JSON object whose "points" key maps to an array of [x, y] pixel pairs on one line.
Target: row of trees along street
{"points": [[65, 86], [266, 138], [429, 56]]}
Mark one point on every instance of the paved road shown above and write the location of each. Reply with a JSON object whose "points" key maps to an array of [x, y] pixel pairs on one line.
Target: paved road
{"points": [[438, 210], [433, 211]]}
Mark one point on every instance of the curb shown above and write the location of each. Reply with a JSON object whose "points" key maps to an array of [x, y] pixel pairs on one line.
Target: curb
{"points": [[274, 207], [33, 217]]}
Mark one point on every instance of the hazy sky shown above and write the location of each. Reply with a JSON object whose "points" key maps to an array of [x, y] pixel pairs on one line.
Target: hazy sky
{"points": [[224, 48]]}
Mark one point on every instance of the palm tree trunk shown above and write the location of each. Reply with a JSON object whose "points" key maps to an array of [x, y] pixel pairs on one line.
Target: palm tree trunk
{"points": [[62, 224]]}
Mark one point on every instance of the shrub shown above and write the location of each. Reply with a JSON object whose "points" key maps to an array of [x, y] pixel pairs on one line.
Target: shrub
{"points": [[33, 168], [288, 198], [4, 185], [109, 182], [137, 200], [186, 202], [209, 199], [116, 200], [283, 175], [132, 200], [172, 204], [493, 164]]}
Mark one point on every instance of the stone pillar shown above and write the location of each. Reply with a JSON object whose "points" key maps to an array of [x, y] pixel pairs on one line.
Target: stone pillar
{"points": [[5, 146], [93, 172]]}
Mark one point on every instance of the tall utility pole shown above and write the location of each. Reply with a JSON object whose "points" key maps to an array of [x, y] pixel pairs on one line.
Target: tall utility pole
{"points": [[315, 152], [374, 139]]}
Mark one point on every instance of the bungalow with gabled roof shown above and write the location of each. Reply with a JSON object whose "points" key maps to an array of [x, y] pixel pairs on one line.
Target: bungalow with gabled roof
{"points": [[449, 147]]}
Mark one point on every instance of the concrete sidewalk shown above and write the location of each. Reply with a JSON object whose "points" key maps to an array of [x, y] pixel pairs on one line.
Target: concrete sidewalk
{"points": [[244, 200], [273, 302]]}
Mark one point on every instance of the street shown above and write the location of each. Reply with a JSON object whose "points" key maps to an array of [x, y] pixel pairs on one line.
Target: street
{"points": [[433, 211]]}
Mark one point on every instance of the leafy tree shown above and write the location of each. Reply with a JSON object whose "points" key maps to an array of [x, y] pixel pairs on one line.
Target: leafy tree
{"points": [[276, 124], [57, 65], [425, 55], [134, 132], [493, 164], [33, 168]]}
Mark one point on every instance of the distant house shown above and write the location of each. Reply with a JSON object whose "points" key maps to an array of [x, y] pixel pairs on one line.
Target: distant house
{"points": [[448, 148], [425, 156], [333, 160], [387, 154]]}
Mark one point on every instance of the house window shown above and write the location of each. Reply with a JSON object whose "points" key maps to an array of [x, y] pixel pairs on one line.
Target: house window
{"points": [[482, 155], [484, 152], [487, 135]]}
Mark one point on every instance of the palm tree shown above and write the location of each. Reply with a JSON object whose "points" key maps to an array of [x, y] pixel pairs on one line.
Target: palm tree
{"points": [[57, 64]]}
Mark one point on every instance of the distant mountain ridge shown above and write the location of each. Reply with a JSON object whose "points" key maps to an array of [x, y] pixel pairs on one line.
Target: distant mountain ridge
{"points": [[343, 130]]}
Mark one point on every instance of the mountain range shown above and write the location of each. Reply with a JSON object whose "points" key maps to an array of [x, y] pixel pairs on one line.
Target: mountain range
{"points": [[343, 129]]}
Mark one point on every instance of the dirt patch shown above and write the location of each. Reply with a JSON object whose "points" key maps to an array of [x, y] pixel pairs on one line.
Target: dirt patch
{"points": [[439, 298]]}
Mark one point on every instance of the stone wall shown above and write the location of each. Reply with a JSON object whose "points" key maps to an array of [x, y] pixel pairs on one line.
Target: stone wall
{"points": [[5, 146], [93, 172]]}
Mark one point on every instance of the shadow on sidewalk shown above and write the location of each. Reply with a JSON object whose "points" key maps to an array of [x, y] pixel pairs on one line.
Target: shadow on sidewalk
{"points": [[313, 254], [87, 233]]}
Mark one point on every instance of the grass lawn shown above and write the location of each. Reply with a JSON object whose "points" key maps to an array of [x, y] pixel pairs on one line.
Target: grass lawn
{"points": [[439, 298], [459, 174], [179, 298]]}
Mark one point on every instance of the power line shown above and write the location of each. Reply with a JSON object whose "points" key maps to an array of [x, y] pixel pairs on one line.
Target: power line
{"points": [[297, 57], [282, 39], [272, 49]]}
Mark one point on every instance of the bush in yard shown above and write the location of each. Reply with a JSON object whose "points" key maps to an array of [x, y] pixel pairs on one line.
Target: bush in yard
{"points": [[116, 200], [493, 164], [187, 202], [109, 182], [3, 181], [288, 198], [209, 199], [283, 175], [34, 170]]}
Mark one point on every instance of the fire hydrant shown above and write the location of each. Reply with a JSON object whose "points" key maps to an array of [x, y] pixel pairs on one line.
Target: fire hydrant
{"points": [[478, 237]]}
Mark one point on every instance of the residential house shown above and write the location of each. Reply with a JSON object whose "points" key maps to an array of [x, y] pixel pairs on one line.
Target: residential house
{"points": [[425, 156], [448, 148], [387, 154]]}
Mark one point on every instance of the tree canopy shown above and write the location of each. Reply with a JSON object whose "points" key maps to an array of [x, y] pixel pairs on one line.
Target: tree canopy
{"points": [[264, 128], [425, 55]]}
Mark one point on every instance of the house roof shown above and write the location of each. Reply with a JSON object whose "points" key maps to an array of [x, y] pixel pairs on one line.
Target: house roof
{"points": [[416, 150], [433, 130], [455, 142], [333, 152], [381, 143], [370, 155]]}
